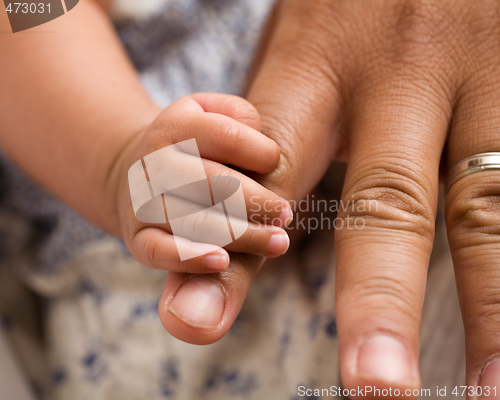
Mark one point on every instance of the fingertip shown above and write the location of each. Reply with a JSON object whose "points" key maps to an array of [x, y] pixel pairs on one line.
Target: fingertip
{"points": [[185, 319], [192, 308], [385, 358], [286, 216], [199, 302], [383, 364], [217, 261], [278, 244], [490, 377]]}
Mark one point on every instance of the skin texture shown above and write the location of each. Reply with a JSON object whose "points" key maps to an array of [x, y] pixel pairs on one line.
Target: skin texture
{"points": [[389, 86]]}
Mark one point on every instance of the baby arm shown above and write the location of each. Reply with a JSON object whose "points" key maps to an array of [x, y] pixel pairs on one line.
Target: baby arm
{"points": [[70, 100], [75, 118]]}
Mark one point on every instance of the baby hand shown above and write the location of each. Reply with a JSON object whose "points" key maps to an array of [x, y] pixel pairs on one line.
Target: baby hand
{"points": [[225, 131]]}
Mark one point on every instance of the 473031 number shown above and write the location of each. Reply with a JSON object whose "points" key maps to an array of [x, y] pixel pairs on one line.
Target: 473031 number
{"points": [[30, 8], [475, 391]]}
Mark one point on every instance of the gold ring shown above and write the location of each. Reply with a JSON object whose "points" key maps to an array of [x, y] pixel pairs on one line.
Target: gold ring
{"points": [[470, 165]]}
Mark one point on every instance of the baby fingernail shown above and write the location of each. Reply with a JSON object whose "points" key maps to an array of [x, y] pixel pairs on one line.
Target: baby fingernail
{"points": [[199, 302], [386, 359], [216, 262], [286, 216], [278, 245], [490, 381]]}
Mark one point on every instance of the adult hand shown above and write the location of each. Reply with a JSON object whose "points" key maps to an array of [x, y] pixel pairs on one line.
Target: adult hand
{"points": [[385, 84]]}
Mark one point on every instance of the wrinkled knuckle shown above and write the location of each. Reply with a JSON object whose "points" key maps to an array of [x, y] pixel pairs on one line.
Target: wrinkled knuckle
{"points": [[480, 213], [473, 211], [390, 199]]}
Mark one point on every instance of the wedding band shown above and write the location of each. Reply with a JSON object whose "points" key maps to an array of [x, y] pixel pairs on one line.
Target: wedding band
{"points": [[470, 165]]}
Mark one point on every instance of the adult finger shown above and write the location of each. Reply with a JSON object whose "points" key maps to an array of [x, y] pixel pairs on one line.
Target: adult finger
{"points": [[295, 91], [385, 230], [473, 220]]}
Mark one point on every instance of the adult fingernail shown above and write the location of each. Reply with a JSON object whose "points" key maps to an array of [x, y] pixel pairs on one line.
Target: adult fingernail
{"points": [[199, 302], [386, 359], [490, 379], [216, 262], [278, 245], [286, 216]]}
